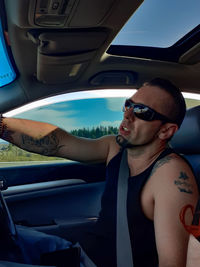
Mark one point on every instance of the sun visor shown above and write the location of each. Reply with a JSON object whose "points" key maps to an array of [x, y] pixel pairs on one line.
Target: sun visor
{"points": [[63, 56], [61, 69], [70, 42]]}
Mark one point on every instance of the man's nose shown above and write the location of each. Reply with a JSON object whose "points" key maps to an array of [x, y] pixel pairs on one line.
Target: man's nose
{"points": [[129, 115]]}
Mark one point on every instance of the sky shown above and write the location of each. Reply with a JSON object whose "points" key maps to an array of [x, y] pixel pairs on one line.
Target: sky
{"points": [[160, 23], [102, 107], [79, 113], [72, 111]]}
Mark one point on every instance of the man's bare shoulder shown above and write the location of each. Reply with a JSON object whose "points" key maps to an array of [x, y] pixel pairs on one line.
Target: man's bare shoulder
{"points": [[114, 148], [174, 172], [110, 140], [172, 162]]}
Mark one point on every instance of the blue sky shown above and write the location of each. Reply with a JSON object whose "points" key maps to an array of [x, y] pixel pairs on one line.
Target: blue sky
{"points": [[77, 110], [79, 113], [105, 110], [160, 23], [103, 107]]}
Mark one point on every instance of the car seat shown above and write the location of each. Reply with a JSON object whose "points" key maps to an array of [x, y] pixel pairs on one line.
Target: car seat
{"points": [[186, 140]]}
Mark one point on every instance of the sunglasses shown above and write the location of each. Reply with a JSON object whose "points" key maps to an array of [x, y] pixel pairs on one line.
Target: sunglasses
{"points": [[144, 112]]}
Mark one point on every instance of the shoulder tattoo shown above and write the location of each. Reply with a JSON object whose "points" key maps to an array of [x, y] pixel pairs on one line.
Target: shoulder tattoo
{"points": [[160, 163], [183, 184]]}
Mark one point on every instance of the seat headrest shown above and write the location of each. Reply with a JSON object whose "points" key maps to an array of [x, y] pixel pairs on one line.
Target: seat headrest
{"points": [[187, 139]]}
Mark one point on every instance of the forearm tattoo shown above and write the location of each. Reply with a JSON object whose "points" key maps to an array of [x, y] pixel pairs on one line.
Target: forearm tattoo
{"points": [[183, 183], [47, 145]]}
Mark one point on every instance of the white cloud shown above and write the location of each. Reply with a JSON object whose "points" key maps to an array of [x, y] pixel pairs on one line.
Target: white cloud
{"points": [[115, 104], [110, 123], [52, 116]]}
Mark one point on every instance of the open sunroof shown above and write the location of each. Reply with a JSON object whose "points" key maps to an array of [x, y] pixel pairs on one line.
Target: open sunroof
{"points": [[160, 23]]}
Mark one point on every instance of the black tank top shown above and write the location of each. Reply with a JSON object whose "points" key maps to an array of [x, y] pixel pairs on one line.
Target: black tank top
{"points": [[100, 242]]}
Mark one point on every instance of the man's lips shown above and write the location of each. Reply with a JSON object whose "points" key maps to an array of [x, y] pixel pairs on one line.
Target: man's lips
{"points": [[124, 130]]}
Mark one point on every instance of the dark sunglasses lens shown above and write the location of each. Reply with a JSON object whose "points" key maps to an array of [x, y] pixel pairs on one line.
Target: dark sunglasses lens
{"points": [[140, 111], [143, 113]]}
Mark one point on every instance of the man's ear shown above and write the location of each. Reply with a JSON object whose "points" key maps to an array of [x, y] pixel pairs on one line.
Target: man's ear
{"points": [[167, 131]]}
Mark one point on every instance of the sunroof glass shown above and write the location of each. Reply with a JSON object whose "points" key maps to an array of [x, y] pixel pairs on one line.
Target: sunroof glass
{"points": [[7, 73], [160, 23]]}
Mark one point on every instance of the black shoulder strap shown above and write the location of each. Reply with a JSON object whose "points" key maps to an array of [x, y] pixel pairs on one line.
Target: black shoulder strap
{"points": [[123, 243]]}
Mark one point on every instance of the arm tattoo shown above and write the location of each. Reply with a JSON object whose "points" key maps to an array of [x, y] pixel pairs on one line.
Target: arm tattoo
{"points": [[183, 180], [7, 134], [47, 145], [160, 162], [183, 184]]}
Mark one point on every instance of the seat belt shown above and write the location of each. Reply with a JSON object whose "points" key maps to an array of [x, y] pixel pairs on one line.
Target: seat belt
{"points": [[123, 243]]}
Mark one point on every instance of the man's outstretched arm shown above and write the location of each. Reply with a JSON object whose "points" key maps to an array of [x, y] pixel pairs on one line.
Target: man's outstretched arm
{"points": [[47, 139]]}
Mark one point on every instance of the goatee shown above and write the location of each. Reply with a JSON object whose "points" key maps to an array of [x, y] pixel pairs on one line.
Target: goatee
{"points": [[123, 142]]}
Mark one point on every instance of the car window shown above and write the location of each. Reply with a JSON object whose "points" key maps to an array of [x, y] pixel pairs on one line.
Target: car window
{"points": [[90, 115], [85, 115]]}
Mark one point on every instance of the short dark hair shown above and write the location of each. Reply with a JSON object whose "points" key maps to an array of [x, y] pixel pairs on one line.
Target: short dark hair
{"points": [[178, 113]]}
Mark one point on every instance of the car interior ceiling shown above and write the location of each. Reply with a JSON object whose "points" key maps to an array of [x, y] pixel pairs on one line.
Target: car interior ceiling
{"points": [[83, 60]]}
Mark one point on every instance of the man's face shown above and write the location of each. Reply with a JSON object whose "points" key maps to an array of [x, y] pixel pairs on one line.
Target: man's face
{"points": [[137, 132]]}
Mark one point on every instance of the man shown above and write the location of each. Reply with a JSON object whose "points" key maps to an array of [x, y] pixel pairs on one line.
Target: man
{"points": [[160, 182]]}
